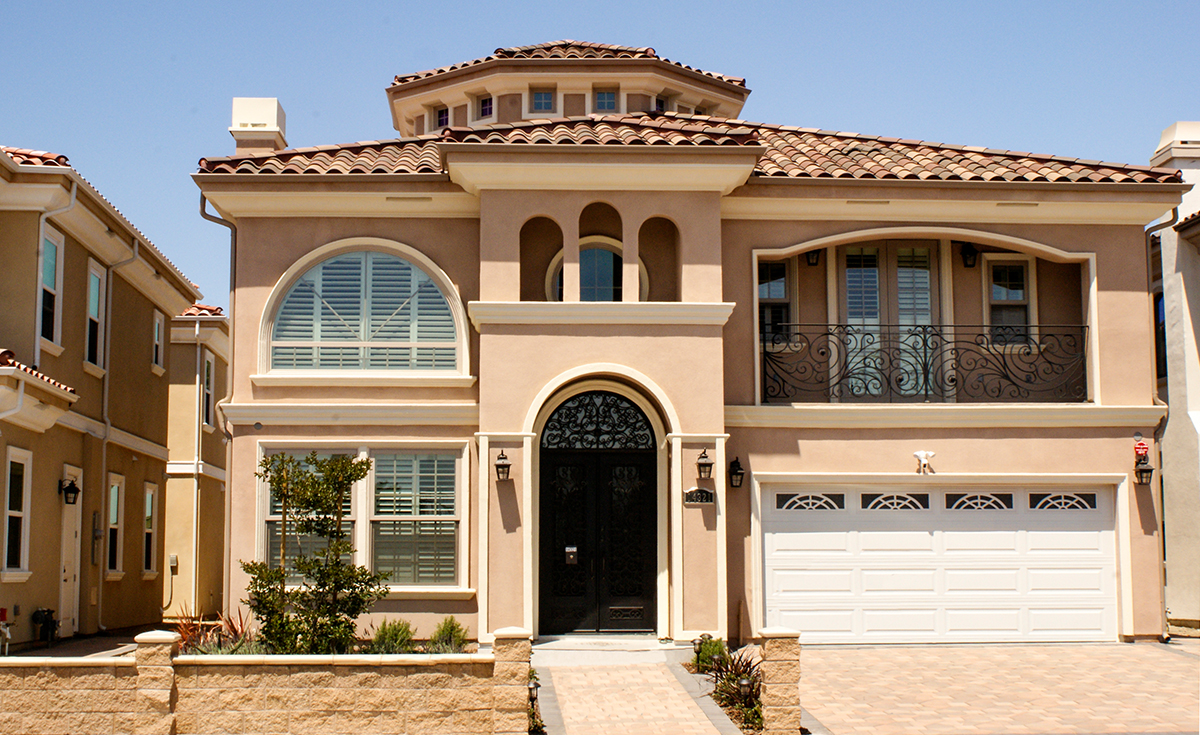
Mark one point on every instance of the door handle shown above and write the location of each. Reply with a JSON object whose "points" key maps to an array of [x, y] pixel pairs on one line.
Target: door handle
{"points": [[572, 555]]}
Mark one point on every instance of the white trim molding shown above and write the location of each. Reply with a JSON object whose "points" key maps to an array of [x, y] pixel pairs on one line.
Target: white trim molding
{"points": [[941, 415], [363, 379], [598, 312], [184, 468], [353, 414]]}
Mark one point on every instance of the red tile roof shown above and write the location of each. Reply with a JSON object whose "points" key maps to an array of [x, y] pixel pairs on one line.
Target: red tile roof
{"points": [[1188, 221], [795, 153], [24, 156], [202, 310], [565, 49], [8, 359]]}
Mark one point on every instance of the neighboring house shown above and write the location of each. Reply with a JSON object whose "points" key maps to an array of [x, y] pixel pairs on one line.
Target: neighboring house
{"points": [[577, 286], [1176, 259], [83, 402], [195, 494]]}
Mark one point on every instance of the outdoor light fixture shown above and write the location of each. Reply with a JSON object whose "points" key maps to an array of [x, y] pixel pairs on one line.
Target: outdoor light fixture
{"points": [[813, 257], [533, 687], [704, 465], [970, 255], [696, 645], [744, 688], [502, 466], [1143, 471], [69, 490], [736, 473]]}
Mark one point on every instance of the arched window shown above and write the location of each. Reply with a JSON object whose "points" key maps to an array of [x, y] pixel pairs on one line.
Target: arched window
{"points": [[364, 310], [599, 272]]}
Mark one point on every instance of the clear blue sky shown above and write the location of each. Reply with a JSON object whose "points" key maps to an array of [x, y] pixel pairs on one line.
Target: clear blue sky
{"points": [[134, 93]]}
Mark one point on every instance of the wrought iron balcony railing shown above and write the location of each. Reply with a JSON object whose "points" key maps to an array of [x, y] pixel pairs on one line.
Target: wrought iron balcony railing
{"points": [[904, 363]]}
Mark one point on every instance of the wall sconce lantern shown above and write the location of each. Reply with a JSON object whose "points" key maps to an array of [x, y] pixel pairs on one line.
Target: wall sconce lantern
{"points": [[69, 490], [1143, 471], [813, 257], [970, 255], [503, 466], [704, 465], [533, 689], [736, 473]]}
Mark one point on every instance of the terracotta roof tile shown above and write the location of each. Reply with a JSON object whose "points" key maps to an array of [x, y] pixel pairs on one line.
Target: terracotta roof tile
{"points": [[1188, 221], [203, 310], [8, 359], [565, 49], [791, 152], [26, 157]]}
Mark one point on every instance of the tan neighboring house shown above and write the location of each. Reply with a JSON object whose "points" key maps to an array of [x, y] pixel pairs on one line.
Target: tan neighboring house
{"points": [[195, 493], [1175, 254], [83, 403], [625, 362]]}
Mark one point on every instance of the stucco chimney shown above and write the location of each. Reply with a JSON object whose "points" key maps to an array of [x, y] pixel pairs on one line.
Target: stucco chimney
{"points": [[258, 126], [1179, 147]]}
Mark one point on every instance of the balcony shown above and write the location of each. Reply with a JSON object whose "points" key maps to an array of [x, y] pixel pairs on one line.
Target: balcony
{"points": [[830, 363]]}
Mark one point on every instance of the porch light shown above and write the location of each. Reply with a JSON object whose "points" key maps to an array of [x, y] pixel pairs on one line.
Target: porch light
{"points": [[696, 644], [813, 257], [1143, 471], [736, 473], [533, 689], [970, 255], [69, 490], [502, 466], [744, 688], [704, 465]]}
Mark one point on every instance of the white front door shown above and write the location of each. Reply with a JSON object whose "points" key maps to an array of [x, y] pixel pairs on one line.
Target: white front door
{"points": [[68, 592], [914, 565]]}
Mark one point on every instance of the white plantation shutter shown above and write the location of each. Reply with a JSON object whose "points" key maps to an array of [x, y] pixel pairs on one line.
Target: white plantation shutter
{"points": [[365, 310], [414, 526]]}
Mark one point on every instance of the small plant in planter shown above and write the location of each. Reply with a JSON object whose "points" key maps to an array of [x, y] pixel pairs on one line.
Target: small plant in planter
{"points": [[711, 651], [536, 725], [392, 637], [449, 637], [743, 703]]}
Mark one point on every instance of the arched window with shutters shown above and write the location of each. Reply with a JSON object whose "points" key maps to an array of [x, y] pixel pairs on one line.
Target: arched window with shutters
{"points": [[366, 312]]}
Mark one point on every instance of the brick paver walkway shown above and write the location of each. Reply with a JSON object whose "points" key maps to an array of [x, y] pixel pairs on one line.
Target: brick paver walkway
{"points": [[632, 699], [1044, 689]]}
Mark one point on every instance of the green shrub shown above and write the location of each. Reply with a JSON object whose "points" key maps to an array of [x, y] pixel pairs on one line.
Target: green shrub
{"points": [[392, 637], [448, 638], [536, 725], [726, 673], [711, 650]]}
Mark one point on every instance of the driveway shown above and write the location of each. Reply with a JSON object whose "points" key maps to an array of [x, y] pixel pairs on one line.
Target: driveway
{"points": [[1099, 689]]}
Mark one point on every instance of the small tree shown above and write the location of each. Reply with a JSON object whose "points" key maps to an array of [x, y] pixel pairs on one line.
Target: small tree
{"points": [[319, 615]]}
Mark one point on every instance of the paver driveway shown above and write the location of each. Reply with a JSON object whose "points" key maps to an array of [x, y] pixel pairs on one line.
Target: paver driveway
{"points": [[992, 689]]}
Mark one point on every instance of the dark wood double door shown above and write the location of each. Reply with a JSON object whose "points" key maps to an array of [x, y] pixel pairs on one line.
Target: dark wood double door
{"points": [[598, 540]]}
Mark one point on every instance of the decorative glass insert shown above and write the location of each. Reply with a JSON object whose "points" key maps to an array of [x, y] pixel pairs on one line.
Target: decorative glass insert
{"points": [[1062, 501], [895, 501], [414, 525], [979, 501], [798, 501], [598, 420], [364, 311]]}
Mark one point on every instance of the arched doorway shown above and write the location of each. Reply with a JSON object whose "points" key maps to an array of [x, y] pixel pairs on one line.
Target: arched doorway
{"points": [[598, 516]]}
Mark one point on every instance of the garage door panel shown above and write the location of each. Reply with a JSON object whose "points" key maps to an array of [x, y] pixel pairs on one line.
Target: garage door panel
{"points": [[1052, 541], [1002, 542], [1054, 580], [785, 543], [1076, 620], [892, 542], [828, 624], [900, 620], [810, 582], [982, 580], [984, 622], [898, 580]]}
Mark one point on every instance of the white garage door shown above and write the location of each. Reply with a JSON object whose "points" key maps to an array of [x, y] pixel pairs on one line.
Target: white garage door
{"points": [[894, 565]]}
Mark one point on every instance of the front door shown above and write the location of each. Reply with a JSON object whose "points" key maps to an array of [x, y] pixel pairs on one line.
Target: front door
{"points": [[598, 517]]}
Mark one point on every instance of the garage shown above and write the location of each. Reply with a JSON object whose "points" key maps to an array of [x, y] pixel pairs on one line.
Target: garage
{"points": [[875, 564]]}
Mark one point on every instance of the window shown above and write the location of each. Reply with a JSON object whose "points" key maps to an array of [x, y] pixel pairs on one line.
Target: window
{"points": [[149, 527], [543, 102], [160, 327], [16, 509], [660, 104], [485, 107], [443, 117], [299, 544], [51, 286], [1008, 301], [364, 310], [94, 347], [606, 102], [206, 391], [1160, 336], [774, 306], [414, 518], [116, 521], [600, 276]]}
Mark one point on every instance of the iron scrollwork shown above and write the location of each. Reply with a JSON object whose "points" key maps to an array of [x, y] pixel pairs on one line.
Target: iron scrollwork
{"points": [[597, 420]]}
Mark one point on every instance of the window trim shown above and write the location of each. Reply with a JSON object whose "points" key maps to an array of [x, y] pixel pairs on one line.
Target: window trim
{"points": [[158, 354], [459, 377], [596, 242], [534, 91], [479, 101], [23, 457], [95, 269], [614, 91], [111, 573], [150, 498], [59, 242], [989, 259]]}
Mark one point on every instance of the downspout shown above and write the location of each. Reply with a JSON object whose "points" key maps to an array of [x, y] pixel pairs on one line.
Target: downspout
{"points": [[228, 392], [1158, 434], [20, 402], [36, 360], [198, 426], [108, 297]]}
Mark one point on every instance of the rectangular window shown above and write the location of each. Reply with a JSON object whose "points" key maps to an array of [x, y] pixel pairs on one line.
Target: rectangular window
{"points": [[1008, 302], [414, 518], [116, 521], [774, 307], [160, 327], [94, 347], [206, 391], [443, 117], [543, 102], [485, 107], [18, 489], [660, 104], [298, 544], [149, 526], [1160, 336], [606, 102], [51, 286]]}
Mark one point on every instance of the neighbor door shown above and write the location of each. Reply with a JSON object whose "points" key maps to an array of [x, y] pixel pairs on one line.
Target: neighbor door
{"points": [[68, 592]]}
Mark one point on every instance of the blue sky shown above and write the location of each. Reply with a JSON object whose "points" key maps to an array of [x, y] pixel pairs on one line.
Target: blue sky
{"points": [[134, 93]]}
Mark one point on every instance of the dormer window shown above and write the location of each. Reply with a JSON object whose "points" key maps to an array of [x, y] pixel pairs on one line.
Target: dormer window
{"points": [[443, 117], [543, 102], [485, 107], [606, 102]]}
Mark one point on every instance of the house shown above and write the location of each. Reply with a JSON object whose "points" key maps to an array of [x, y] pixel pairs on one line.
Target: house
{"points": [[624, 362], [1176, 265], [83, 403]]}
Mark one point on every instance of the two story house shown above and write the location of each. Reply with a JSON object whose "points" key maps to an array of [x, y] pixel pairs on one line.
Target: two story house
{"points": [[624, 362], [84, 354]]}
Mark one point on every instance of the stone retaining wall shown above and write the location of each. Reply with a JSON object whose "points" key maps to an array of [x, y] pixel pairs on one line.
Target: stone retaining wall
{"points": [[781, 680], [160, 692]]}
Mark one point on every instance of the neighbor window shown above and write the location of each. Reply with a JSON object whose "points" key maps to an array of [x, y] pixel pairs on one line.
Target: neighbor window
{"points": [[1160, 336], [774, 305], [116, 521], [660, 104], [485, 107], [364, 311], [160, 328], [443, 117], [543, 101], [414, 518], [606, 102], [1008, 301], [94, 345], [206, 390], [16, 509], [149, 526], [51, 286]]}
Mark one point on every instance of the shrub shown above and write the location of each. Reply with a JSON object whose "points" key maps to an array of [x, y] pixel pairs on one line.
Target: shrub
{"points": [[711, 650], [392, 637], [448, 638], [726, 673], [536, 726]]}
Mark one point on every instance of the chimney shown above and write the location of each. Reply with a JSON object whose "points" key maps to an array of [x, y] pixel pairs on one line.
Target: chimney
{"points": [[258, 126], [1179, 148]]}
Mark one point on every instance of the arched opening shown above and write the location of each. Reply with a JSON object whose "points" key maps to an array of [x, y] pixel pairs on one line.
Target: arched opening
{"points": [[541, 241], [658, 248]]}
